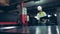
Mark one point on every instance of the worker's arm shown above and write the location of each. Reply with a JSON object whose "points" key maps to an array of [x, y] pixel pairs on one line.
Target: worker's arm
{"points": [[44, 14], [37, 17]]}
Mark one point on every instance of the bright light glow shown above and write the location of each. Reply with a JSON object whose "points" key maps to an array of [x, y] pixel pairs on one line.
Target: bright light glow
{"points": [[38, 31], [49, 29], [37, 2], [27, 18], [57, 29], [41, 1], [39, 7], [55, 14], [49, 15], [8, 27]]}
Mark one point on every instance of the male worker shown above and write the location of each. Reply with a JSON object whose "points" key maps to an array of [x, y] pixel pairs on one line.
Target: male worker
{"points": [[40, 14]]}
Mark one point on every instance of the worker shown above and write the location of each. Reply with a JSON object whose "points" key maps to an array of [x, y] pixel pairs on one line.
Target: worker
{"points": [[40, 14]]}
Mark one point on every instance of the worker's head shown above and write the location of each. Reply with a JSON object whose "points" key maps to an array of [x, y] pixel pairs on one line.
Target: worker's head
{"points": [[39, 8]]}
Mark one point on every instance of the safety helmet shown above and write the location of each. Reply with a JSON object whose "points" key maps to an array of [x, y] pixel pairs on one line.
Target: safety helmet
{"points": [[39, 8]]}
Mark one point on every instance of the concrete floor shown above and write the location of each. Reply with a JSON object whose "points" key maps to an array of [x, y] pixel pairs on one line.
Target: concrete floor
{"points": [[33, 29]]}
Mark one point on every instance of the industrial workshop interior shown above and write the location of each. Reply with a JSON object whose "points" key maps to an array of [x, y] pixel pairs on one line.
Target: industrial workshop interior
{"points": [[29, 16]]}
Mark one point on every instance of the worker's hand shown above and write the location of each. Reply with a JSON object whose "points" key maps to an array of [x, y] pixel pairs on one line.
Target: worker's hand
{"points": [[36, 17]]}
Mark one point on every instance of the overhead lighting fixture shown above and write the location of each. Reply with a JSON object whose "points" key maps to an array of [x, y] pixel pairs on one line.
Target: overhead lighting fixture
{"points": [[37, 2], [40, 1]]}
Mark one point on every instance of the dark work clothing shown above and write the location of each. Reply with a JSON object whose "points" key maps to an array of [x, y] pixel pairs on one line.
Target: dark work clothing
{"points": [[42, 22], [53, 30], [53, 20], [32, 21]]}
